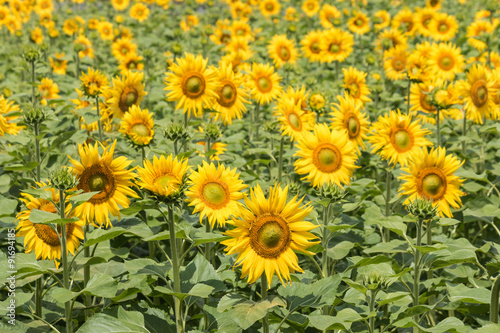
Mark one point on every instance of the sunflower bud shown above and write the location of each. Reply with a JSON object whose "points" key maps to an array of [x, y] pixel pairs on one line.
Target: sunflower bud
{"points": [[175, 132], [292, 28], [212, 132], [271, 126], [63, 179], [177, 48], [31, 54], [370, 58], [423, 209], [35, 115], [332, 191], [374, 280], [317, 101], [294, 188], [148, 54], [78, 47]]}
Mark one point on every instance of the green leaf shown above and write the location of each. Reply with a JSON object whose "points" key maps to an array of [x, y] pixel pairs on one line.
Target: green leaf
{"points": [[358, 286], [431, 248], [450, 324], [81, 198], [245, 312], [444, 221], [43, 217], [22, 167], [370, 261], [101, 285], [148, 267], [7, 206], [455, 257], [101, 235], [340, 251], [490, 328], [470, 295], [205, 237], [393, 246], [334, 228], [105, 323], [314, 295], [137, 206]]}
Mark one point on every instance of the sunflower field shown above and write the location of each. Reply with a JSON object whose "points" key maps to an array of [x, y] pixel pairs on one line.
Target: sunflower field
{"points": [[249, 166]]}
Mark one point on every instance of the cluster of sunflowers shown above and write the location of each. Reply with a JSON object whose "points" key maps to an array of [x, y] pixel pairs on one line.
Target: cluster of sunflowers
{"points": [[351, 87]]}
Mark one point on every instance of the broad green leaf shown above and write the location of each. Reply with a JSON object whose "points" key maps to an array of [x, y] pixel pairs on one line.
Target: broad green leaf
{"points": [[314, 295], [245, 314], [105, 323], [370, 261], [40, 216], [393, 246], [461, 293], [334, 228], [101, 235], [204, 237], [431, 248], [81, 198], [148, 267], [138, 206], [7, 206], [450, 324], [101, 285], [340, 250], [22, 167]]}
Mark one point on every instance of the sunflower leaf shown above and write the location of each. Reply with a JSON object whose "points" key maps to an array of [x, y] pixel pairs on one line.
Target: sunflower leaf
{"points": [[43, 217], [82, 198]]}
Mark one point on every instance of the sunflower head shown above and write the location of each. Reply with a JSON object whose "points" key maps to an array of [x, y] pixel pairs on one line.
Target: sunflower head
{"points": [[138, 125], [422, 208], [93, 83]]}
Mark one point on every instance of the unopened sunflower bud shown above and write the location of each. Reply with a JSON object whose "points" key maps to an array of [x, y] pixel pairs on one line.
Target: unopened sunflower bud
{"points": [[386, 44], [147, 53], [374, 280], [35, 115], [31, 54], [317, 101], [423, 209], [78, 47], [175, 132], [177, 48], [294, 188], [271, 126], [370, 58], [63, 179], [212, 132], [332, 192]]}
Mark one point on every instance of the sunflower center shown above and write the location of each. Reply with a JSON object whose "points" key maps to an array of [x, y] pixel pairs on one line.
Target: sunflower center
{"points": [[335, 48], [446, 63], [265, 85], [294, 121], [124, 50], [128, 98], [47, 234], [215, 194], [359, 22], [315, 47], [310, 6], [269, 6], [402, 140], [431, 183], [327, 158], [443, 27], [398, 64], [240, 32], [227, 94], [479, 93], [140, 129], [284, 53], [425, 101], [353, 126], [353, 89], [269, 235], [193, 85], [98, 177]]}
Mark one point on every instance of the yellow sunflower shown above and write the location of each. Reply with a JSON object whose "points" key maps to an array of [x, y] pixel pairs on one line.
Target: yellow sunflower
{"points": [[298, 95], [445, 61], [421, 100], [37, 36], [328, 15], [215, 191], [93, 83], [310, 7], [347, 116], [126, 92], [221, 32], [434, 4], [107, 175], [388, 39], [120, 5], [396, 138], [131, 63], [191, 84], [325, 157], [105, 30], [270, 7], [395, 63], [232, 98], [138, 125], [443, 27], [431, 176], [311, 46], [268, 232], [139, 11], [359, 23], [7, 119], [479, 29], [404, 21], [336, 45], [282, 50], [478, 94], [86, 44], [381, 19], [264, 83], [42, 238], [122, 47], [293, 120], [425, 18], [164, 176], [218, 147], [58, 64], [355, 85], [48, 89], [241, 29]]}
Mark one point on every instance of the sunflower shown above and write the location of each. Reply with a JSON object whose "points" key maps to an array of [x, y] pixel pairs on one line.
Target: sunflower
{"points": [[191, 84], [126, 92], [218, 147], [298, 95], [189, 22], [416, 68], [49, 90], [431, 177], [70, 27], [325, 157], [139, 11], [240, 10], [106, 30], [347, 116], [478, 94], [86, 44], [264, 83], [405, 22], [381, 19], [396, 138], [37, 36], [93, 83], [122, 47], [443, 27], [107, 175], [329, 15], [131, 62], [359, 23], [239, 45], [270, 7], [336, 45], [355, 85], [120, 5], [388, 39], [42, 238], [138, 125], [291, 14], [395, 63], [164, 177], [479, 29], [241, 29], [421, 100], [232, 98], [282, 50], [311, 46], [7, 124], [445, 61], [434, 4], [293, 120], [310, 7], [425, 18], [268, 232], [215, 191], [221, 32], [58, 64]]}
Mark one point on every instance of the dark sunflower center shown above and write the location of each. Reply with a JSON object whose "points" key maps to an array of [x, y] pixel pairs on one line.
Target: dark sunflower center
{"points": [[353, 89], [432, 184], [240, 32], [140, 129], [353, 126], [47, 234], [132, 65], [446, 63], [269, 235], [227, 94], [443, 27], [214, 193], [269, 6], [315, 47], [128, 98], [294, 121], [327, 157], [193, 85], [334, 48], [97, 182], [284, 53], [359, 22], [479, 93], [398, 64], [124, 50], [98, 177], [425, 101]]}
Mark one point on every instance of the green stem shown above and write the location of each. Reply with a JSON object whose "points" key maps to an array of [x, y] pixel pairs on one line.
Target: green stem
{"points": [[86, 271], [495, 290], [263, 290], [99, 125], [37, 151], [64, 258], [371, 321], [176, 149], [464, 132], [77, 63], [175, 268], [186, 124], [257, 121], [33, 87], [387, 232], [325, 271], [432, 298], [438, 127], [416, 279], [280, 160], [337, 70], [151, 244], [408, 96]]}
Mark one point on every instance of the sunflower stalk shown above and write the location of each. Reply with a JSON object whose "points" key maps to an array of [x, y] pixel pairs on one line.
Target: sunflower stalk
{"points": [[280, 160], [38, 284], [408, 97], [432, 298], [64, 259], [151, 244], [416, 279], [325, 271], [263, 286], [464, 133], [99, 125], [371, 304], [257, 122], [86, 271], [438, 127], [175, 268], [387, 232], [33, 87], [495, 291]]}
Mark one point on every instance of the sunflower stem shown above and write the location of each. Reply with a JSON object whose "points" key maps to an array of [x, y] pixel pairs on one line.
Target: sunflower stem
{"points": [[186, 124], [408, 97], [371, 304], [99, 125], [495, 290], [86, 271], [38, 284], [325, 271], [337, 69], [387, 232], [416, 279], [432, 298], [175, 268], [263, 290], [33, 87], [64, 259], [280, 160], [77, 64], [464, 133], [257, 122], [438, 127], [151, 244]]}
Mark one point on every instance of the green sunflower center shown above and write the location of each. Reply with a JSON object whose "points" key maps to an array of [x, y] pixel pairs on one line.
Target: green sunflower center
{"points": [[443, 27], [264, 84], [193, 84], [327, 157], [269, 6], [479, 93], [359, 22], [446, 63], [131, 98], [214, 193], [402, 140], [284, 53], [124, 50], [294, 121], [227, 92], [353, 126], [432, 184], [140, 129], [97, 182], [334, 48], [315, 47]]}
